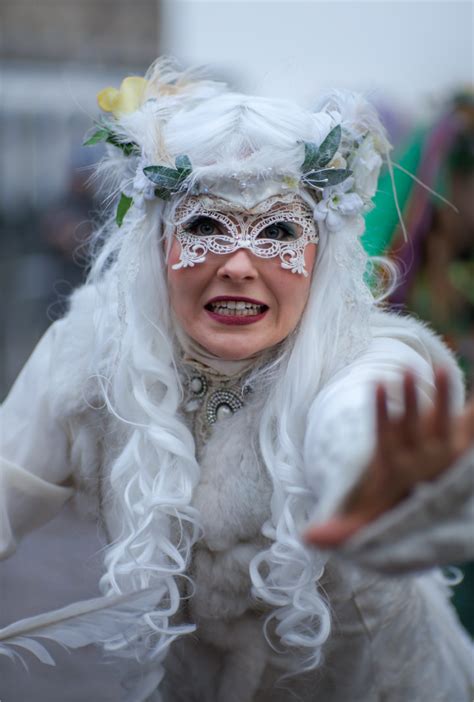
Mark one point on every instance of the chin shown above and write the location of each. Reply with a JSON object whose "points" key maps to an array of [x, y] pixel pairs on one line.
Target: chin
{"points": [[237, 350], [234, 354]]}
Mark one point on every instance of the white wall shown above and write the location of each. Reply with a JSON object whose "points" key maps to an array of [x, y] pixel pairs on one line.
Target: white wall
{"points": [[411, 51]]}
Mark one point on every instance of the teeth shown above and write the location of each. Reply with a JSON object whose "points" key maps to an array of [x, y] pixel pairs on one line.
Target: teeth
{"points": [[234, 308]]}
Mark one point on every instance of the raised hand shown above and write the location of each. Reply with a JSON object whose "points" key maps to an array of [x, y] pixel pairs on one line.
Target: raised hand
{"points": [[411, 448]]}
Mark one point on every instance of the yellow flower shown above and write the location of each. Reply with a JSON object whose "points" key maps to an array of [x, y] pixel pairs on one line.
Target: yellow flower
{"points": [[123, 101], [290, 182]]}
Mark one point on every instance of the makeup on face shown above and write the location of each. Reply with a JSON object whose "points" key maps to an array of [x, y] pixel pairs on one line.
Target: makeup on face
{"points": [[230, 297], [281, 226], [231, 310]]}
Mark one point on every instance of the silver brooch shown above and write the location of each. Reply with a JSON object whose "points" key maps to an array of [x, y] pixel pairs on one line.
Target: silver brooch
{"points": [[198, 385], [219, 404]]}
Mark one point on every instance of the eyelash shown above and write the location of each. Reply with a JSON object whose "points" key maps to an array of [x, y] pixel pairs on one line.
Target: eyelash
{"points": [[195, 223], [286, 227]]}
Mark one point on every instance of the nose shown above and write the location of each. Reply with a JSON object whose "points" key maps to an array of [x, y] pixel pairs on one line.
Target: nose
{"points": [[238, 266]]}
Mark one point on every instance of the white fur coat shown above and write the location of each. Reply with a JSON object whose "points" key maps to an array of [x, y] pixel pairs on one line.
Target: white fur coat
{"points": [[393, 638]]}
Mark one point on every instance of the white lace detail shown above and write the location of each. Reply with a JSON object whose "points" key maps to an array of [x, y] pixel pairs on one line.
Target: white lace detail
{"points": [[242, 229], [213, 202]]}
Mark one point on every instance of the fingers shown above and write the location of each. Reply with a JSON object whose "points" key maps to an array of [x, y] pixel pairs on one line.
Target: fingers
{"points": [[440, 418], [381, 407], [335, 531], [412, 447], [409, 422], [409, 425], [468, 421], [464, 429], [405, 429], [382, 421]]}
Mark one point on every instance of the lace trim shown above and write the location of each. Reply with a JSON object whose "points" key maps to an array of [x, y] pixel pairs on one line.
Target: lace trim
{"points": [[243, 229]]}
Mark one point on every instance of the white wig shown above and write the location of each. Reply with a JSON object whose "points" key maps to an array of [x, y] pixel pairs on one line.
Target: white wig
{"points": [[225, 136]]}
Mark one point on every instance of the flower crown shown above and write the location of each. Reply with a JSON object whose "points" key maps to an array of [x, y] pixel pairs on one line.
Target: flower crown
{"points": [[341, 172]]}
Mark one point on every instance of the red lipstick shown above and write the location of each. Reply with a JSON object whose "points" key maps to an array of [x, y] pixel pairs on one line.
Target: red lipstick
{"points": [[235, 319], [236, 298]]}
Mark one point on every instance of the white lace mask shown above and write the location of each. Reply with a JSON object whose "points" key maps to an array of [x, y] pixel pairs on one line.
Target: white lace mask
{"points": [[281, 226]]}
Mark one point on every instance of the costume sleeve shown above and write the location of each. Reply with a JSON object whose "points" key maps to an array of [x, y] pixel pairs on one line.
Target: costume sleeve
{"points": [[33, 448], [434, 526], [340, 435]]}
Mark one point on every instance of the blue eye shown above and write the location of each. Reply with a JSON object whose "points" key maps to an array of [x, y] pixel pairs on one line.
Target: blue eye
{"points": [[280, 231], [202, 226]]}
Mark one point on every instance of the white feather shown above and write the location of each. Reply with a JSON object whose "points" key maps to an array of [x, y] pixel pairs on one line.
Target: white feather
{"points": [[90, 621]]}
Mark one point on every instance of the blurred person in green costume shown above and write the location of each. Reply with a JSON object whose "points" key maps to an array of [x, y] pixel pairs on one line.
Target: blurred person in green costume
{"points": [[437, 256]]}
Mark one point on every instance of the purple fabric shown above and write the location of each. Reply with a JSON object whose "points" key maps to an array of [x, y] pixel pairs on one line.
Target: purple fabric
{"points": [[420, 218]]}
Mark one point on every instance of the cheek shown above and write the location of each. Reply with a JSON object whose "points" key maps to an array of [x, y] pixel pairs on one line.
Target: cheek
{"points": [[310, 253], [292, 290], [186, 286], [173, 254], [177, 281]]}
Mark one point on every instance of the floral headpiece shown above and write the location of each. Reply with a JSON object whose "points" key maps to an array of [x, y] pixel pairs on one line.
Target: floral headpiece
{"points": [[342, 171]]}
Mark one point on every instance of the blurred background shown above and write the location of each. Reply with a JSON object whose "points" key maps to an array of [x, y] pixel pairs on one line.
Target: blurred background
{"points": [[414, 60]]}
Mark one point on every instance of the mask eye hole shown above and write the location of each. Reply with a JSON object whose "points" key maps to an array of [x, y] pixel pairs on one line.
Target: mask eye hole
{"points": [[203, 226], [281, 231]]}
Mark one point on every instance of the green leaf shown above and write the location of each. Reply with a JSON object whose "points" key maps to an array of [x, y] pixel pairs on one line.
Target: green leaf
{"points": [[163, 176], [169, 180], [327, 176], [311, 154], [98, 136], [329, 146], [183, 163], [163, 193], [106, 134], [129, 147], [316, 157], [123, 207]]}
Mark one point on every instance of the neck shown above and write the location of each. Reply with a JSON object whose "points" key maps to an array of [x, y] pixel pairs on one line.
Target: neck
{"points": [[196, 354]]}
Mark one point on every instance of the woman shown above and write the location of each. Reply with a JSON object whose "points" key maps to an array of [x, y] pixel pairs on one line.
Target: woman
{"points": [[210, 392]]}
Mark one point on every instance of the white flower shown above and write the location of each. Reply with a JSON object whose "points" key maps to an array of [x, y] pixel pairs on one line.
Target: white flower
{"points": [[338, 161], [337, 204], [366, 167], [143, 188], [138, 186]]}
